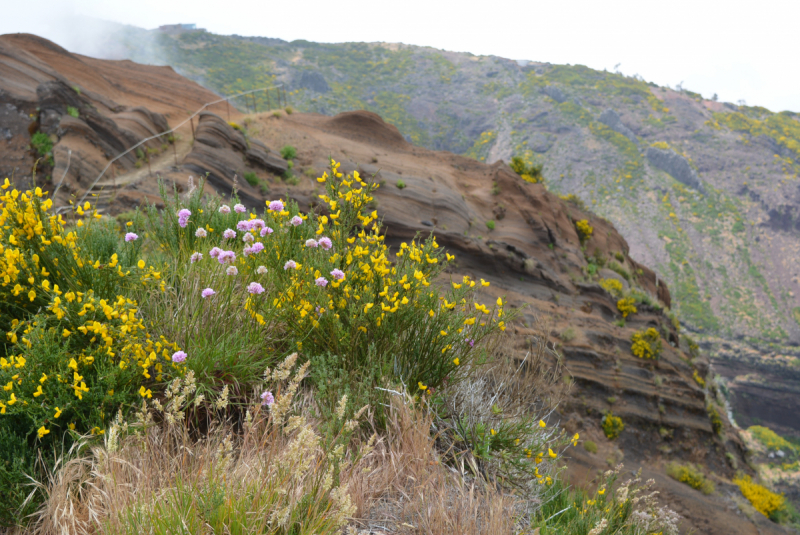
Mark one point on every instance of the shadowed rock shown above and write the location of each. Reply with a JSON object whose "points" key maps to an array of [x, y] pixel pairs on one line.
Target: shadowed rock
{"points": [[676, 166], [611, 119]]}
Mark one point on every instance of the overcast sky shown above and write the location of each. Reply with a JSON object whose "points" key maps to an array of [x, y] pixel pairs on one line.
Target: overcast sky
{"points": [[739, 50]]}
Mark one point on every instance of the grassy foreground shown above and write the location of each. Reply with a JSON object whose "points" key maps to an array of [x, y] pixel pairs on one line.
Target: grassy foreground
{"points": [[215, 369]]}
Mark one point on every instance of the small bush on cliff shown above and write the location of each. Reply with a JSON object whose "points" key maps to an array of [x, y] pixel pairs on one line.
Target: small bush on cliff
{"points": [[288, 152], [612, 426], [43, 145], [763, 500], [616, 267], [627, 306], [771, 440], [692, 476], [612, 286], [73, 111], [646, 344], [490, 225], [584, 229], [529, 171], [590, 446], [251, 178]]}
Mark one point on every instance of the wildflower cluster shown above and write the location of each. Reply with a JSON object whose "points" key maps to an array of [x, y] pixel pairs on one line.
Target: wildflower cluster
{"points": [[612, 286], [646, 344], [330, 283], [764, 500], [626, 306]]}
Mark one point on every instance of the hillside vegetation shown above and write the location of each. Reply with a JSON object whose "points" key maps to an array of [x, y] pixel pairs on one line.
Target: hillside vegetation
{"points": [[703, 191]]}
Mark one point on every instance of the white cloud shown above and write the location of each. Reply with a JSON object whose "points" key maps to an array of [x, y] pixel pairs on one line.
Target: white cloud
{"points": [[736, 49]]}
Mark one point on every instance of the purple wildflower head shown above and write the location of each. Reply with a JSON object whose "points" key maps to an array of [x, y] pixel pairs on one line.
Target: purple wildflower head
{"points": [[229, 234], [248, 238], [196, 257], [215, 252], [276, 206], [178, 357], [311, 243], [471, 342], [239, 209], [257, 247], [243, 226], [291, 264], [131, 236], [337, 274], [296, 221], [226, 257], [321, 281], [232, 271], [257, 224], [183, 217], [267, 398], [224, 209], [325, 243], [201, 233], [266, 231], [255, 288], [247, 251], [184, 213], [208, 292]]}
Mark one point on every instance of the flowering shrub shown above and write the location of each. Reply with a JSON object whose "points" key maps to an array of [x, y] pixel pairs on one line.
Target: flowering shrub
{"points": [[764, 500], [691, 475], [771, 440], [74, 349], [646, 344], [612, 286], [527, 170], [584, 229], [626, 306], [612, 426], [324, 284]]}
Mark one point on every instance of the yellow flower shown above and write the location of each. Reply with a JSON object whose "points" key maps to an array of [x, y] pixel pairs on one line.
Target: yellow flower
{"points": [[38, 391], [601, 492], [499, 302], [575, 439], [145, 393], [42, 432], [493, 432], [422, 386], [431, 313], [72, 427], [542, 424], [456, 361], [58, 413], [484, 283], [141, 264], [551, 453], [66, 333], [129, 223]]}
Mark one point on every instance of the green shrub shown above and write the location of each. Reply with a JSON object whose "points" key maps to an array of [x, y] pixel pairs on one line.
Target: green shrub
{"points": [[251, 178], [400, 184], [692, 476], [43, 145], [490, 224], [73, 112], [612, 426], [289, 110], [288, 152], [617, 268], [590, 446]]}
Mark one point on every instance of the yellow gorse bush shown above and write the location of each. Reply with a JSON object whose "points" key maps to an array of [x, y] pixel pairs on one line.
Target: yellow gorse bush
{"points": [[612, 286], [584, 229], [646, 344], [764, 500], [627, 306]]}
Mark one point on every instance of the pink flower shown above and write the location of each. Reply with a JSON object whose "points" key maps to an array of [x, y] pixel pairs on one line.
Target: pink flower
{"points": [[247, 238], [321, 281], [296, 221], [267, 398], [257, 247], [266, 231], [337, 274], [247, 251], [228, 257], [215, 252], [257, 224], [276, 206], [229, 234], [131, 236], [196, 257], [208, 292], [471, 342], [201, 233], [243, 226], [224, 209], [325, 243], [239, 209], [178, 357], [232, 271], [183, 217], [255, 288], [291, 264], [311, 243]]}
